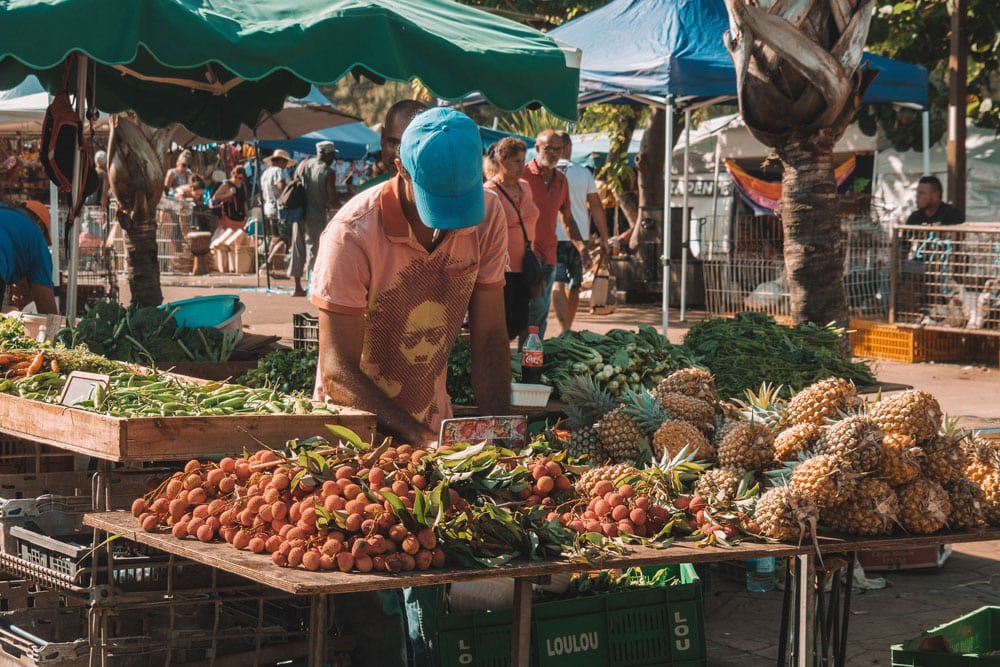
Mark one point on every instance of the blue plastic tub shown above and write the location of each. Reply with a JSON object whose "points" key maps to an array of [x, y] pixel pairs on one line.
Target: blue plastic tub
{"points": [[204, 311]]}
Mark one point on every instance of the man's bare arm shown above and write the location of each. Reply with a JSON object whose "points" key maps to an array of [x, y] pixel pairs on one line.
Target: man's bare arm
{"points": [[340, 343], [573, 234], [600, 220], [490, 352]]}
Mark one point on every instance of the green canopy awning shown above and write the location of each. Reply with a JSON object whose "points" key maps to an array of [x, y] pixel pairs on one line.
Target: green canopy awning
{"points": [[213, 64]]}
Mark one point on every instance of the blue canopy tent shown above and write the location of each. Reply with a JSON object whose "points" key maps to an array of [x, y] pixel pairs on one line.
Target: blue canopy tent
{"points": [[671, 53]]}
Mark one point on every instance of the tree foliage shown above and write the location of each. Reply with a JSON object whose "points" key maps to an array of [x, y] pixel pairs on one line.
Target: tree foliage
{"points": [[919, 31]]}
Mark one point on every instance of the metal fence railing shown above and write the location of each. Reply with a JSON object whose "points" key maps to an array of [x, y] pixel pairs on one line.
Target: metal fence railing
{"points": [[947, 276], [752, 275]]}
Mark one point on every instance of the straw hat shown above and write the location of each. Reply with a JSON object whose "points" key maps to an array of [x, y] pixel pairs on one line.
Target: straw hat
{"points": [[280, 155], [42, 213]]}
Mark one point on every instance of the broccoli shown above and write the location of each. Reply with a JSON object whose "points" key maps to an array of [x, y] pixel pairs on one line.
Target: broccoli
{"points": [[145, 322]]}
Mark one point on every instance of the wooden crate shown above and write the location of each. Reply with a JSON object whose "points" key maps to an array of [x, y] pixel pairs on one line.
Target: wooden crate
{"points": [[19, 456], [165, 438]]}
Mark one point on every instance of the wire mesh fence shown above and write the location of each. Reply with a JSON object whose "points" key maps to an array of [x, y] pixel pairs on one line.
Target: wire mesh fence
{"points": [[750, 274], [947, 276], [174, 219]]}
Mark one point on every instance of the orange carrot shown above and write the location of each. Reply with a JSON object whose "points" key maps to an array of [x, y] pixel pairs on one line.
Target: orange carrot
{"points": [[36, 364], [55, 365]]}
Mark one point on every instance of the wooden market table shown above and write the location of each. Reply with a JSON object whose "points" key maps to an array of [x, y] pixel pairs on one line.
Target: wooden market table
{"points": [[319, 585]]}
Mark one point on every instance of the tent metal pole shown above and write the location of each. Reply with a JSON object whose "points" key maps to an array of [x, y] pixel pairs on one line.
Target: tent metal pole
{"points": [[715, 199], [74, 230], [686, 213], [665, 258], [926, 119]]}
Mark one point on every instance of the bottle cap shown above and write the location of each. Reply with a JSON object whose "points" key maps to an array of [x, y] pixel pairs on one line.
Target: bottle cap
{"points": [[532, 330]]}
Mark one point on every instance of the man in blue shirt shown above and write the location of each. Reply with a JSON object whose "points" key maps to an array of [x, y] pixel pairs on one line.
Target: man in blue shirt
{"points": [[24, 252]]}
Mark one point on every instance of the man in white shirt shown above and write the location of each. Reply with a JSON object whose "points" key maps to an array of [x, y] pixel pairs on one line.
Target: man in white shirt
{"points": [[569, 268]]}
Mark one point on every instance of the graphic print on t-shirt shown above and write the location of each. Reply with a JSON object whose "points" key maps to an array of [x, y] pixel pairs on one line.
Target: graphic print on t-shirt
{"points": [[411, 327]]}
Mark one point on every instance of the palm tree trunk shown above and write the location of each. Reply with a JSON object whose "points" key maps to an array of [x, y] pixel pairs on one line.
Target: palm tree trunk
{"points": [[814, 253], [143, 263]]}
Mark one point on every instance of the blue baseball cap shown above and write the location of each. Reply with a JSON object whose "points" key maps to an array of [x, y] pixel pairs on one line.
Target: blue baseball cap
{"points": [[443, 154]]}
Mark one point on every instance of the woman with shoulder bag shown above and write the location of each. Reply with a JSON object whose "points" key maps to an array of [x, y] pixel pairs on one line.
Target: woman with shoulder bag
{"points": [[231, 200], [505, 165]]}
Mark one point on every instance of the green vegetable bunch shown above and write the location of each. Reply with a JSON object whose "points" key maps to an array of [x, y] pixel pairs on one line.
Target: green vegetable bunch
{"points": [[751, 349], [13, 335], [288, 371], [460, 374], [146, 335], [618, 361]]}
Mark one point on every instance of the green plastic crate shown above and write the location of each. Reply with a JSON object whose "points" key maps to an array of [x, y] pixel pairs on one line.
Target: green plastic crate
{"points": [[969, 637], [643, 627]]}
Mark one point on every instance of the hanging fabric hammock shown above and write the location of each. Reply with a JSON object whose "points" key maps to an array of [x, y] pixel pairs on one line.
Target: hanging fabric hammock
{"points": [[764, 197]]}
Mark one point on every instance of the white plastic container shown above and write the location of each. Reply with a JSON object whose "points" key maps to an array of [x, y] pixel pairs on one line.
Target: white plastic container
{"points": [[529, 395]]}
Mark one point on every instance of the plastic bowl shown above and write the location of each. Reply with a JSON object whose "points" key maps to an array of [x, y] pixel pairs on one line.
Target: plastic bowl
{"points": [[204, 311], [529, 395]]}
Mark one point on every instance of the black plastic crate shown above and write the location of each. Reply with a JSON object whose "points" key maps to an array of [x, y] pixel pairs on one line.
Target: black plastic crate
{"points": [[305, 331]]}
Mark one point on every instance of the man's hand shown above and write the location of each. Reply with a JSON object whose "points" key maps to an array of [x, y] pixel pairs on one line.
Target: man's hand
{"points": [[585, 258]]}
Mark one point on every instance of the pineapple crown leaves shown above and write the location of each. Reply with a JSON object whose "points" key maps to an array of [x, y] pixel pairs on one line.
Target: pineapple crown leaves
{"points": [[764, 405], [587, 400], [645, 409]]}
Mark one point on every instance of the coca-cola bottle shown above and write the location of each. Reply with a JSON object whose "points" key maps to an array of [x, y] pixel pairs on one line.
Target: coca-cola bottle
{"points": [[531, 358]]}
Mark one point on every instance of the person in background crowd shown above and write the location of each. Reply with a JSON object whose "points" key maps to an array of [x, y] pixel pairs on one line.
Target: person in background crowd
{"points": [[320, 181], [100, 196], [586, 206], [272, 182], [24, 253], [397, 118], [398, 268], [930, 209], [507, 158], [550, 192], [194, 189], [180, 174], [231, 200]]}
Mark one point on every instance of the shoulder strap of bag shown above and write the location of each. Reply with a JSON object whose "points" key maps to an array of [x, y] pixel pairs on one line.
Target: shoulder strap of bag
{"points": [[517, 210]]}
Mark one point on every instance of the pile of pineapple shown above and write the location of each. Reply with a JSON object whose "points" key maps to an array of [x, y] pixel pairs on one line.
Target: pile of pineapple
{"points": [[825, 457]]}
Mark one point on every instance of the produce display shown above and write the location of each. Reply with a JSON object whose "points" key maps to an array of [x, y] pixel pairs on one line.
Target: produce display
{"points": [[40, 375], [145, 334], [750, 349]]}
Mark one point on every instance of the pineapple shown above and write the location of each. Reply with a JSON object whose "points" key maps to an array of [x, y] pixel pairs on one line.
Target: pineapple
{"points": [[923, 506], [855, 440], [588, 480], [967, 501], [901, 459], [699, 412], [944, 459], [675, 434], [912, 412], [824, 480], [822, 401], [990, 484], [586, 403], [625, 430], [982, 457], [795, 439], [620, 435], [782, 514], [693, 382], [871, 510], [748, 446], [721, 485]]}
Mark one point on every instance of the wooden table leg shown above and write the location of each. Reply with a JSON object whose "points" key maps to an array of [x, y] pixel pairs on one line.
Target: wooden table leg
{"points": [[318, 622], [806, 613], [520, 647]]}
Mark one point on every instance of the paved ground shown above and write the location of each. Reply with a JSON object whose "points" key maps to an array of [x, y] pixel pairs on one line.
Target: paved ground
{"points": [[742, 627]]}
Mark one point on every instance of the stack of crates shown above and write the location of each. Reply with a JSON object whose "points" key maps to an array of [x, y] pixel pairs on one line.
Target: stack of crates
{"points": [[305, 331], [645, 626]]}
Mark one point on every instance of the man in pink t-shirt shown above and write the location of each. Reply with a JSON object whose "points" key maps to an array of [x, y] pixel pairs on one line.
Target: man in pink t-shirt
{"points": [[397, 270]]}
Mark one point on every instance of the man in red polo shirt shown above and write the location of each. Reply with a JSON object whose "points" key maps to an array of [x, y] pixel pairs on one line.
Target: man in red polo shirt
{"points": [[550, 192]]}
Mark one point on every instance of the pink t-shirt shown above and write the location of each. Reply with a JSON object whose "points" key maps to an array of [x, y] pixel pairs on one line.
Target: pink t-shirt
{"points": [[529, 214], [413, 301]]}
